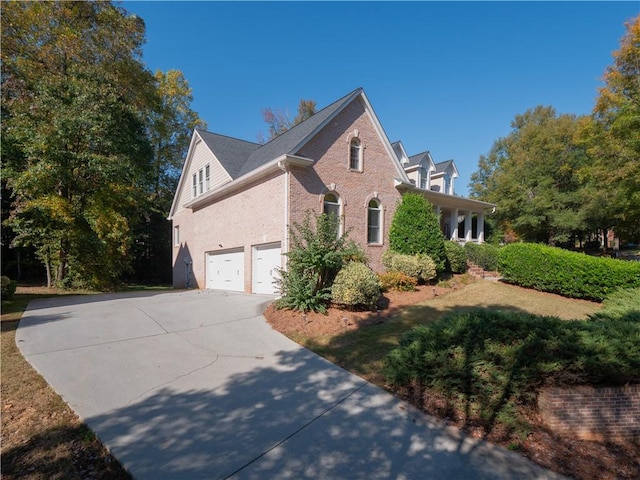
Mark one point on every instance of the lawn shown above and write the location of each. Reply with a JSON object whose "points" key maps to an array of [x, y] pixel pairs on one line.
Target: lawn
{"points": [[42, 438]]}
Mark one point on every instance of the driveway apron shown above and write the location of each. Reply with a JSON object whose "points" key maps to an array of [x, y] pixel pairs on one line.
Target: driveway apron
{"points": [[196, 385]]}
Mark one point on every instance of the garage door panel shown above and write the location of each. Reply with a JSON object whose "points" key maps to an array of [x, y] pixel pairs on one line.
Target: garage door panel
{"points": [[267, 260], [225, 271]]}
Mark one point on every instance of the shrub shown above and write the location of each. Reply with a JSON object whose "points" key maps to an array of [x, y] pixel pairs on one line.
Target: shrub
{"points": [[483, 255], [397, 281], [316, 255], [456, 257], [420, 267], [571, 274], [491, 361], [356, 285], [415, 229], [8, 287], [619, 304]]}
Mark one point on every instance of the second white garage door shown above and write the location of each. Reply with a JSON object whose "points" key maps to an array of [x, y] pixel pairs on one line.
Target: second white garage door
{"points": [[266, 261], [225, 271]]}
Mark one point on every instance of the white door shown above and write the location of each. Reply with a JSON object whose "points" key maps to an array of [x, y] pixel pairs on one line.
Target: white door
{"points": [[266, 261], [225, 271]]}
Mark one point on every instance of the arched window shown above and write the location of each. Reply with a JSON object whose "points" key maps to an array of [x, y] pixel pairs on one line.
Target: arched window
{"points": [[355, 155], [331, 207], [374, 222]]}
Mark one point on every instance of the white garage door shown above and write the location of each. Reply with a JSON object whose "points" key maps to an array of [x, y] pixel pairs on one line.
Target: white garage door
{"points": [[266, 261], [225, 271]]}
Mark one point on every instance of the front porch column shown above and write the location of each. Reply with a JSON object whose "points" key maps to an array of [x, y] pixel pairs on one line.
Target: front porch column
{"points": [[454, 224], [480, 227], [467, 226]]}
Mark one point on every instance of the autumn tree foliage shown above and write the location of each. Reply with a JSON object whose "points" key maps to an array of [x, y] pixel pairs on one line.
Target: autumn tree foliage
{"points": [[279, 120], [78, 156]]}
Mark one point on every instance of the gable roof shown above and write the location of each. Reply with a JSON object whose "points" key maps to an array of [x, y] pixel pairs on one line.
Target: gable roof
{"points": [[442, 167], [243, 159]]}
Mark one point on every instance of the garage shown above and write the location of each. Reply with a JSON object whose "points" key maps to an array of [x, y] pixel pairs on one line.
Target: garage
{"points": [[266, 262], [225, 270]]}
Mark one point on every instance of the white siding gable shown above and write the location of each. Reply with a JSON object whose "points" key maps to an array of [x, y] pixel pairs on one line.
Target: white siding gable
{"points": [[199, 156]]}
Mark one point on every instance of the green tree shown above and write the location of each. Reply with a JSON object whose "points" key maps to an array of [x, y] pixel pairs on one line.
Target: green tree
{"points": [[415, 229], [613, 139], [279, 120], [532, 176], [77, 156]]}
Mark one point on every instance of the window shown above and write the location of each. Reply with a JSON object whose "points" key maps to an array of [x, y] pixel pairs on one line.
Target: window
{"points": [[355, 155], [423, 178], [374, 222], [201, 181], [331, 207], [176, 236]]}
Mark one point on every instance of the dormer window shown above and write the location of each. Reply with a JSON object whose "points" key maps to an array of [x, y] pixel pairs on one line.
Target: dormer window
{"points": [[355, 155]]}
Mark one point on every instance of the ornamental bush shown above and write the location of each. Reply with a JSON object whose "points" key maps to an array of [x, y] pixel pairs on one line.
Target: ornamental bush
{"points": [[420, 267], [356, 285], [456, 257], [8, 287], [484, 255], [397, 281], [415, 229], [567, 273]]}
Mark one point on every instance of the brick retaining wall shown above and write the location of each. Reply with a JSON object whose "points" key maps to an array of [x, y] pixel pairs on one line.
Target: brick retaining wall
{"points": [[592, 413]]}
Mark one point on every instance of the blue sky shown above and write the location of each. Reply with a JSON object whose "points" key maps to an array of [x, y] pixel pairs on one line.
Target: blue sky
{"points": [[447, 77]]}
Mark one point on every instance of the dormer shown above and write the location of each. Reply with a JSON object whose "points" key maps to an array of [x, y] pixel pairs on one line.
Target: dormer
{"points": [[419, 169], [401, 153], [443, 176]]}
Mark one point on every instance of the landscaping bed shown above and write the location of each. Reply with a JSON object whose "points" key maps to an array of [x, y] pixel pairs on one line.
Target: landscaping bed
{"points": [[360, 341]]}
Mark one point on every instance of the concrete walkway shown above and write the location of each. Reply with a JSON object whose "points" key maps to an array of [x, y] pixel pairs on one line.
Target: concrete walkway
{"points": [[195, 385]]}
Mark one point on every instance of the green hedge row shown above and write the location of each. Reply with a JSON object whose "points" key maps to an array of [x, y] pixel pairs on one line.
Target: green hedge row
{"points": [[483, 255], [566, 273]]}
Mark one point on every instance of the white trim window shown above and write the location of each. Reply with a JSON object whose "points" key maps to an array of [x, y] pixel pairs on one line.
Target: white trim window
{"points": [[176, 236], [201, 181], [355, 155], [331, 208], [374, 222]]}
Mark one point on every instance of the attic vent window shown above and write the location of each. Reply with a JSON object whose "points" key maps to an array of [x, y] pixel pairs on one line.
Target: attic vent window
{"points": [[355, 155]]}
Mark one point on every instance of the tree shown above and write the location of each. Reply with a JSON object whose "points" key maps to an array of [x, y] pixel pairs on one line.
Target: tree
{"points": [[415, 229], [612, 138], [532, 177], [279, 120], [78, 159]]}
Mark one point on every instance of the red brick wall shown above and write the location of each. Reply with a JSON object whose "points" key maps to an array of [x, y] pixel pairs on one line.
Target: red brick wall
{"points": [[592, 413], [330, 150]]}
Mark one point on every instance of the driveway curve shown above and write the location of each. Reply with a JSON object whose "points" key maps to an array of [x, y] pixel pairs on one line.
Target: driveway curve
{"points": [[195, 385]]}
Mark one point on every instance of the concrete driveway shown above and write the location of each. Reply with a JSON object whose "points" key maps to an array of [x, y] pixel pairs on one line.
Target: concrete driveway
{"points": [[195, 384]]}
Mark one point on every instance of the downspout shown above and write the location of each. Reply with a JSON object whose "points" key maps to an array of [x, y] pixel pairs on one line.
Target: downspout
{"points": [[287, 183]]}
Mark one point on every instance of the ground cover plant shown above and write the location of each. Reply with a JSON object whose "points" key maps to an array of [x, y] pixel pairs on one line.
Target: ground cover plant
{"points": [[42, 438], [360, 342]]}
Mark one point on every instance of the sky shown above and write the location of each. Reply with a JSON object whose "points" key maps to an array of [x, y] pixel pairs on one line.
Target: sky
{"points": [[448, 77]]}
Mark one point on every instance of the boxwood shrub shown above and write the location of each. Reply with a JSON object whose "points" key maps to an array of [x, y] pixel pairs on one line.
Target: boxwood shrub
{"points": [[456, 257], [484, 255], [566, 273], [421, 266]]}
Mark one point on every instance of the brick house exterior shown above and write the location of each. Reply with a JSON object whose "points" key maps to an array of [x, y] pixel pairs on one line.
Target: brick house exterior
{"points": [[236, 200]]}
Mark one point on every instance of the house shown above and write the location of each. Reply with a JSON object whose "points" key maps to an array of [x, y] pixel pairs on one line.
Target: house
{"points": [[236, 199]]}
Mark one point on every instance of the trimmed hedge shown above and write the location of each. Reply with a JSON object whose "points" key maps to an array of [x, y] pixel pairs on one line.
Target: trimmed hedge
{"points": [[456, 257], [483, 255], [571, 274], [356, 285]]}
